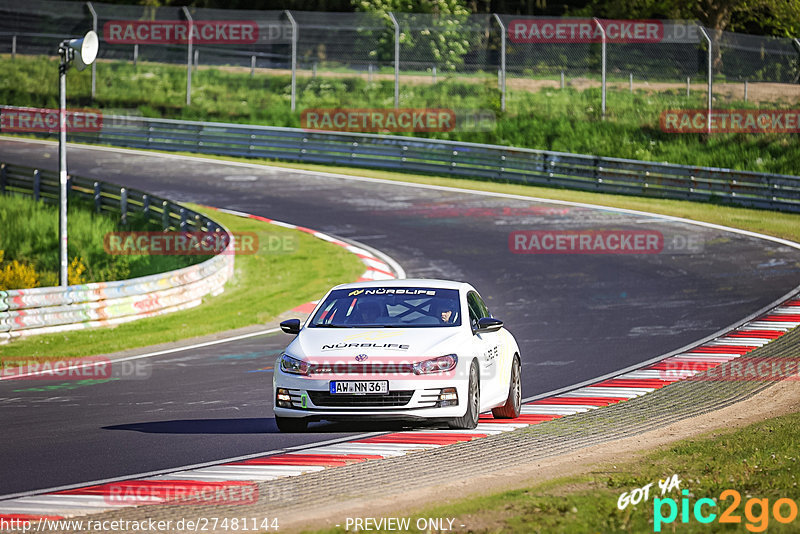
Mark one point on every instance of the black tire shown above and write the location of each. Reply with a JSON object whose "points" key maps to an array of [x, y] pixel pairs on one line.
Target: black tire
{"points": [[513, 405], [292, 425], [470, 419]]}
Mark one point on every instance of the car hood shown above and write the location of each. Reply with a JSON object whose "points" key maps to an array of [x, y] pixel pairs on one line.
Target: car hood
{"points": [[407, 344]]}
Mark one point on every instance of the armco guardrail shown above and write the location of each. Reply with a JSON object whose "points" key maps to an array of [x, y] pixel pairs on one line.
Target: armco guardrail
{"points": [[41, 310], [539, 167]]}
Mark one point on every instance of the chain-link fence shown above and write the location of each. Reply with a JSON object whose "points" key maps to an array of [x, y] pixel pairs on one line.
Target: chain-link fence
{"points": [[486, 62]]}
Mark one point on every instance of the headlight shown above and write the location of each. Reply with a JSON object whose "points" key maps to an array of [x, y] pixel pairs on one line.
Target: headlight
{"points": [[294, 366], [436, 365]]}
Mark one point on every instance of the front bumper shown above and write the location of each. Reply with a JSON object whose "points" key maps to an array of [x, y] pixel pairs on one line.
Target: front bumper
{"points": [[413, 398]]}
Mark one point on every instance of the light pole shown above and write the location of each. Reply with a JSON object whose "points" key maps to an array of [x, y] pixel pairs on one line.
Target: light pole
{"points": [[87, 52]]}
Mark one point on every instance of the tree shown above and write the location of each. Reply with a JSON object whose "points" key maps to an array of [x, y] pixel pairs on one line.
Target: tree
{"points": [[431, 31]]}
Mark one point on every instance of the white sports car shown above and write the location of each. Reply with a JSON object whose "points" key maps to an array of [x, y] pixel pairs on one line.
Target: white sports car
{"points": [[398, 350]]}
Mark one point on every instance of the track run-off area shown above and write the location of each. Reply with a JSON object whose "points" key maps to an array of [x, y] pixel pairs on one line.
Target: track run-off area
{"points": [[578, 317]]}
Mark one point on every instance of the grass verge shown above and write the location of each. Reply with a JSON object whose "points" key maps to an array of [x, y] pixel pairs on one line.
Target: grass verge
{"points": [[759, 462], [264, 285], [567, 120], [30, 236]]}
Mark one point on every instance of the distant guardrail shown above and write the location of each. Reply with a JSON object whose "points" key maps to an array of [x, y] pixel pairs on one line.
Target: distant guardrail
{"points": [[42, 310], [452, 158]]}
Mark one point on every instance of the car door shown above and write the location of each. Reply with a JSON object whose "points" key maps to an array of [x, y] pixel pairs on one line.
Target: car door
{"points": [[487, 348]]}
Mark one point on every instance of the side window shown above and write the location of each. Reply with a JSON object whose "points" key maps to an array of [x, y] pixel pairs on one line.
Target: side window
{"points": [[482, 306], [475, 312]]}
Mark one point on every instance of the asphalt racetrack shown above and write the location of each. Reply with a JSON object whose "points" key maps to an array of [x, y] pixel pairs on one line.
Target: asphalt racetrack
{"points": [[575, 316]]}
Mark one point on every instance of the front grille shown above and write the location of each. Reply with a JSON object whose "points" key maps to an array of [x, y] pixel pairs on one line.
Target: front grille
{"points": [[362, 368], [393, 398]]}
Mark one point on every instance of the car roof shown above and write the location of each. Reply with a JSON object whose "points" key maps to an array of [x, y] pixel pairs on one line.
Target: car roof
{"points": [[409, 282]]}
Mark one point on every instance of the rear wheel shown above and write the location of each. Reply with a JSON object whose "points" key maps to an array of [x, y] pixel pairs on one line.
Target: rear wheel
{"points": [[470, 419], [513, 405], [291, 424]]}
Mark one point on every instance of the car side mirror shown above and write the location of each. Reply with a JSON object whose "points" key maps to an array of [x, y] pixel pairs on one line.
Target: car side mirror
{"points": [[291, 326], [489, 324]]}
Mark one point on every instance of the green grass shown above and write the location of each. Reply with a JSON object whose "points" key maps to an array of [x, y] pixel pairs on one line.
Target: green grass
{"points": [[759, 461], [564, 120], [264, 285], [30, 236]]}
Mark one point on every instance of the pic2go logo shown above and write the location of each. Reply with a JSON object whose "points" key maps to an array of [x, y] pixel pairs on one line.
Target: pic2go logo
{"points": [[756, 511]]}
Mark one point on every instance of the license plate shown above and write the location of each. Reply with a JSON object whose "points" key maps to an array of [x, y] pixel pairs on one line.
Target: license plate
{"points": [[359, 387]]}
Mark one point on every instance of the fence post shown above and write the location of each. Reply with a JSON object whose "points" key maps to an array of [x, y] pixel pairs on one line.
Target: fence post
{"points": [[369, 73], [396, 60], [294, 57], [14, 47], [94, 63], [123, 205], [3, 178], [196, 58], [37, 185], [562, 79], [98, 197], [165, 215], [602, 67], [796, 43], [688, 84], [252, 66], [630, 82], [710, 76], [135, 54], [189, 57], [146, 206], [183, 220], [745, 90], [433, 72], [502, 62]]}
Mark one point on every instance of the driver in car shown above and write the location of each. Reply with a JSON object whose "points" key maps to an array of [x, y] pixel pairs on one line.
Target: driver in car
{"points": [[446, 311]]}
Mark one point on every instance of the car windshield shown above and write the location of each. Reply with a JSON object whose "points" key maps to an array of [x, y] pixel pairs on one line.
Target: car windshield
{"points": [[390, 307]]}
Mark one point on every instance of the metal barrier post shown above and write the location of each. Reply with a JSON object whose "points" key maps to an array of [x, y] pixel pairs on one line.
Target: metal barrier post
{"points": [[146, 206], [94, 63], [165, 215], [294, 57], [135, 54], [502, 62], [602, 67], [14, 47], [123, 205], [189, 57], [396, 61], [710, 76], [37, 185], [252, 66], [3, 178], [98, 197]]}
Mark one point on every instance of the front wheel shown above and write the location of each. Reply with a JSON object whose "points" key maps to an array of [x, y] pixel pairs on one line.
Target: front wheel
{"points": [[470, 419], [291, 424], [513, 405]]}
